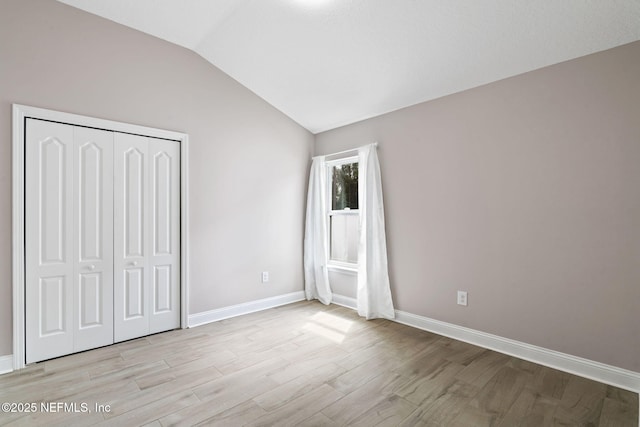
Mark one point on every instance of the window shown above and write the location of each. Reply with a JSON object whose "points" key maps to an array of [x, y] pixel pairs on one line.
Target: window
{"points": [[343, 213], [344, 186]]}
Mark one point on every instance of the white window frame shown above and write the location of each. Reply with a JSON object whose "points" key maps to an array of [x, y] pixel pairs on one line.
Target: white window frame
{"points": [[330, 164]]}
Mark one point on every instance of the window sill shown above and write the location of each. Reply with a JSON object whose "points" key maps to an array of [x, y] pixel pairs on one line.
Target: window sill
{"points": [[352, 271]]}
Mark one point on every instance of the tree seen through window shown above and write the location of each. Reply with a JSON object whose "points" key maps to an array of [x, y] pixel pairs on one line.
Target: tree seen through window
{"points": [[344, 186]]}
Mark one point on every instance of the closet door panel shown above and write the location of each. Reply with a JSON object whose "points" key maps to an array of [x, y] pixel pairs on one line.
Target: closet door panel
{"points": [[48, 240], [164, 178], [93, 205], [131, 237]]}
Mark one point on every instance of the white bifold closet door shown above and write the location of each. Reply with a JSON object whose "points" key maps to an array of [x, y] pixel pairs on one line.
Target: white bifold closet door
{"points": [[147, 239], [68, 236], [102, 237]]}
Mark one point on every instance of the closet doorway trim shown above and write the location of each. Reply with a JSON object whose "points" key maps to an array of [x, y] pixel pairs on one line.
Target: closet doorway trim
{"points": [[20, 114]]}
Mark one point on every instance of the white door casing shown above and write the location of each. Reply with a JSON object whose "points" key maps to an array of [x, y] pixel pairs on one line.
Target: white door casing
{"points": [[73, 214], [21, 198], [57, 274]]}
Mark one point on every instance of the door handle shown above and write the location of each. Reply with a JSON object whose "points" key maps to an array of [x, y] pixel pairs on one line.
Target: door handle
{"points": [[92, 267], [134, 263]]}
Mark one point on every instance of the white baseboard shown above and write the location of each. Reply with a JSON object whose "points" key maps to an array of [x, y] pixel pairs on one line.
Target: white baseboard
{"points": [[344, 301], [244, 308], [597, 371], [6, 364], [618, 377]]}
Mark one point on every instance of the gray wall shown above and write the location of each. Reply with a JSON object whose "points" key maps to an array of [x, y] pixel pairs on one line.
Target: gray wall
{"points": [[248, 162], [525, 193]]}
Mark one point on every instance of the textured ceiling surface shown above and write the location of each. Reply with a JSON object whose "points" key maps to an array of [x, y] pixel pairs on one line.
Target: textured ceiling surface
{"points": [[328, 63]]}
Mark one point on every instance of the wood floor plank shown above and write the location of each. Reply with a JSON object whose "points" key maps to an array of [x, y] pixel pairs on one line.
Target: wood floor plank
{"points": [[318, 420], [29, 374], [364, 397], [230, 390], [442, 410], [251, 358], [57, 419], [550, 382], [238, 415], [320, 365], [306, 364], [581, 401], [542, 413], [472, 416], [462, 352], [480, 371], [362, 374], [578, 415], [623, 396], [299, 409], [385, 413], [431, 385], [127, 369], [497, 396], [425, 362], [51, 387], [92, 357], [201, 414], [583, 392], [284, 393], [152, 411], [126, 402], [617, 414], [355, 358], [530, 409]]}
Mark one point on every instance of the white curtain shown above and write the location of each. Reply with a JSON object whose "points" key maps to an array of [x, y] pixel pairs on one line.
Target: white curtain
{"points": [[316, 278], [373, 292]]}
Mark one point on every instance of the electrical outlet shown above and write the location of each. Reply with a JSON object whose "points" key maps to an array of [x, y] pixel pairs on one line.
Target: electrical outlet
{"points": [[462, 298], [265, 276]]}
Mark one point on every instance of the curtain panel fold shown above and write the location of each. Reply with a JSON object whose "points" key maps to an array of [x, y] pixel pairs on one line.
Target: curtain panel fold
{"points": [[374, 290], [316, 277]]}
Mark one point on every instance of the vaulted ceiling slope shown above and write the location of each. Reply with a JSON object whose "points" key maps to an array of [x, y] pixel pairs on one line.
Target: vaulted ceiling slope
{"points": [[328, 63]]}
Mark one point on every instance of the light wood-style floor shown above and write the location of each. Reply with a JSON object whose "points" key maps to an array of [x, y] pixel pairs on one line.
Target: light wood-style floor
{"points": [[309, 365]]}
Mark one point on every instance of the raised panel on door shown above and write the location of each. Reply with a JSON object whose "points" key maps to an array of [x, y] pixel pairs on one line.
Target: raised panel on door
{"points": [[48, 240], [93, 205], [164, 262], [131, 237]]}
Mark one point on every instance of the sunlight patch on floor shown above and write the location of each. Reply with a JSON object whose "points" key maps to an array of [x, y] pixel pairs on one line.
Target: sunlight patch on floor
{"points": [[329, 326]]}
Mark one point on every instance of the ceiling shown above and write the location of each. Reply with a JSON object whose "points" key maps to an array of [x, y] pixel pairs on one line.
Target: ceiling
{"points": [[328, 63]]}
